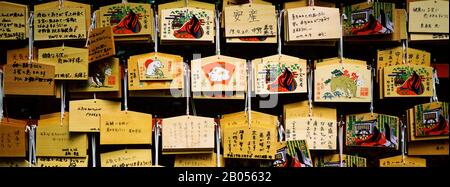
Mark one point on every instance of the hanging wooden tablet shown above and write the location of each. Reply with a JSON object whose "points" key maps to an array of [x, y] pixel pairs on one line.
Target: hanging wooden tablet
{"points": [[320, 130], [279, 74], [369, 19], [14, 162], [101, 44], [333, 161], [129, 21], [104, 76], [67, 4], [377, 130], [429, 121], [85, 114], [187, 24], [13, 21], [23, 78], [257, 141], [187, 134], [349, 81], [20, 55], [218, 74], [158, 68], [394, 56], [174, 32], [53, 138], [227, 3], [246, 39], [429, 16], [152, 64], [60, 24], [400, 25], [250, 20], [127, 158], [125, 127], [61, 162], [298, 152], [198, 160], [12, 138], [398, 161], [302, 4], [407, 81], [313, 23], [70, 63]]}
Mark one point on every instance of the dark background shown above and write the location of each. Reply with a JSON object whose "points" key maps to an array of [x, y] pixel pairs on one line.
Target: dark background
{"points": [[23, 107]]}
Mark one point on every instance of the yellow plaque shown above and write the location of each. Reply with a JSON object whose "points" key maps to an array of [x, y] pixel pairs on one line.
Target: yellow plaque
{"points": [[125, 127], [101, 44], [313, 23], [70, 63], [85, 114], [127, 158], [60, 24], [12, 139], [398, 161], [188, 133], [53, 139], [279, 74], [61, 162], [13, 21], [429, 16], [250, 20], [218, 73], [255, 142], [408, 81], [187, 24], [349, 81], [24, 78], [104, 76], [319, 130], [198, 160]]}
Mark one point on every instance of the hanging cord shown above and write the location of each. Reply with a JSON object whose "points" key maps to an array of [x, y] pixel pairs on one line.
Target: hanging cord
{"points": [[310, 90], [63, 101], [341, 140], [279, 21], [31, 129], [218, 15], [403, 139], [187, 83], [125, 88], [61, 4], [30, 37], [280, 130], [1, 94], [155, 24], [404, 52], [435, 83], [94, 145], [218, 138], [372, 76], [92, 27], [124, 1], [311, 3], [248, 108], [341, 39], [157, 127]]}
